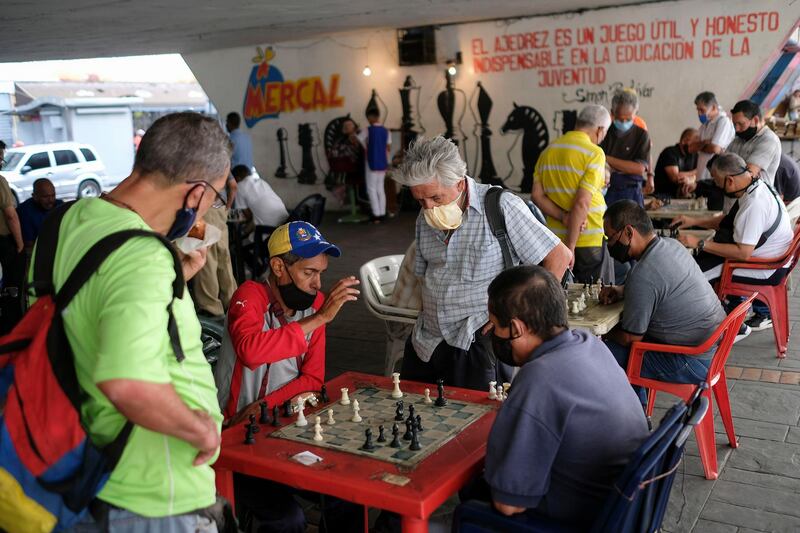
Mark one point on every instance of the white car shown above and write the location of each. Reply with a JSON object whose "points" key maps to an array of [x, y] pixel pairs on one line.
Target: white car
{"points": [[74, 169]]}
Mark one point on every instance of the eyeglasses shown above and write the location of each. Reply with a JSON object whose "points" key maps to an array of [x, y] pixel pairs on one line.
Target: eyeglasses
{"points": [[219, 201]]}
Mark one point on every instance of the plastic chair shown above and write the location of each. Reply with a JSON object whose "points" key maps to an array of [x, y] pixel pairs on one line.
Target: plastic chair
{"points": [[310, 209], [639, 500], [775, 296], [723, 338], [377, 283]]}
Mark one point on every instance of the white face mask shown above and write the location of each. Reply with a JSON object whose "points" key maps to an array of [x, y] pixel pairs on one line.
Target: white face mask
{"points": [[444, 217]]}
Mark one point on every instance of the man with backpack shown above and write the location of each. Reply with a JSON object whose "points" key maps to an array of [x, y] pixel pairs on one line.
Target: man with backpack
{"points": [[377, 141], [134, 334], [465, 237]]}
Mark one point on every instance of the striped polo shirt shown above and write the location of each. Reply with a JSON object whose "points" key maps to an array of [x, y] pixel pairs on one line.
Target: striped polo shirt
{"points": [[570, 162]]}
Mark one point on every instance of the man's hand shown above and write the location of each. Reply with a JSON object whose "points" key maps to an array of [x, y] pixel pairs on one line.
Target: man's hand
{"points": [[192, 262], [688, 188], [208, 441], [690, 241], [565, 220], [682, 221], [651, 204], [507, 510], [342, 292], [611, 294], [649, 187]]}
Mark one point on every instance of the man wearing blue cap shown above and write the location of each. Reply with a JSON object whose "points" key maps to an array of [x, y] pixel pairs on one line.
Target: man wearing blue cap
{"points": [[274, 350]]}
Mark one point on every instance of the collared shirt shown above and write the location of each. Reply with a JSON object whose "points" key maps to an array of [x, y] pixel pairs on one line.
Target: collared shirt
{"points": [[456, 272], [763, 150], [569, 163], [256, 195], [31, 216], [242, 149], [718, 131]]}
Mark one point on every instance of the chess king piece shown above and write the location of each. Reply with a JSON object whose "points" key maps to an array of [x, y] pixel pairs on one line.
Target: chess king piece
{"points": [[428, 396], [345, 396], [264, 419], [330, 421], [441, 401], [356, 409], [396, 392], [492, 390], [301, 416], [368, 445]]}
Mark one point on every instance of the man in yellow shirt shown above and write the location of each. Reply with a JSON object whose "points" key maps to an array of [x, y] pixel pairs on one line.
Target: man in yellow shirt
{"points": [[568, 182]]}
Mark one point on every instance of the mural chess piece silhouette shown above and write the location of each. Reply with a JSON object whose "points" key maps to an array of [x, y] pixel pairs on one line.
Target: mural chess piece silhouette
{"points": [[535, 139], [407, 132], [446, 101], [308, 172], [487, 174], [283, 140], [564, 120]]}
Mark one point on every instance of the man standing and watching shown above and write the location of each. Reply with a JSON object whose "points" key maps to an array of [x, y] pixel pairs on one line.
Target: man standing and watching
{"points": [[33, 211]]}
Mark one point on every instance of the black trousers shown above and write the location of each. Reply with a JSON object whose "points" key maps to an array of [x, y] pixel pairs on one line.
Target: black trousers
{"points": [[472, 369], [13, 264]]}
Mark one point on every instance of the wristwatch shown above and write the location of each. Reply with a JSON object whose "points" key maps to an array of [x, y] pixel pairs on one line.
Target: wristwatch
{"points": [[701, 244]]}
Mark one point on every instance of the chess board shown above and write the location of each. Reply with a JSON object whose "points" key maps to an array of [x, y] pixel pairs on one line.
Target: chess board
{"points": [[440, 424], [597, 318]]}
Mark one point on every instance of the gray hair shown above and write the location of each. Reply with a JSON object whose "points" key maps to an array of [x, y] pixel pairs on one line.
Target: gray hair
{"points": [[706, 98], [728, 164], [593, 116], [427, 160], [625, 97], [183, 147]]}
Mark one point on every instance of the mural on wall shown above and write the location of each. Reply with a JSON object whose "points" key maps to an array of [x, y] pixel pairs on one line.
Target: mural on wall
{"points": [[535, 139], [487, 174], [308, 170], [446, 102], [407, 132], [283, 139], [268, 94]]}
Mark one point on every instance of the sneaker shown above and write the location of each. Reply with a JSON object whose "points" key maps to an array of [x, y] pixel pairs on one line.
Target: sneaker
{"points": [[744, 331], [759, 322]]}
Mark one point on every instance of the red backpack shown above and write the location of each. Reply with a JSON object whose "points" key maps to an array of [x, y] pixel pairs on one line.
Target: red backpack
{"points": [[50, 470]]}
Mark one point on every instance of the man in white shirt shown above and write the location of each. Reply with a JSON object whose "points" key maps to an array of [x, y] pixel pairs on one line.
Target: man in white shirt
{"points": [[256, 196], [716, 132], [757, 225]]}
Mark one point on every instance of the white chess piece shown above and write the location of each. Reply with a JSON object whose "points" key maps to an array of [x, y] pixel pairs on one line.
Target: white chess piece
{"points": [[500, 396], [301, 416], [345, 397], [330, 421], [396, 392], [575, 307], [492, 390], [428, 396], [356, 409], [318, 433], [312, 399]]}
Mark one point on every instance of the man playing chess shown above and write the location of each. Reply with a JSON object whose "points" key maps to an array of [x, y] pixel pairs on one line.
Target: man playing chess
{"points": [[570, 422], [274, 350], [674, 305]]}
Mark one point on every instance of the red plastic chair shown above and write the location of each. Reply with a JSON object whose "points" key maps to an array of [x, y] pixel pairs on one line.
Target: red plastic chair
{"points": [[775, 296], [704, 431]]}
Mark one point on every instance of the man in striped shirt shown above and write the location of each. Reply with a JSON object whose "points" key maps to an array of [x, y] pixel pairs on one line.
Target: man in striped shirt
{"points": [[568, 182]]}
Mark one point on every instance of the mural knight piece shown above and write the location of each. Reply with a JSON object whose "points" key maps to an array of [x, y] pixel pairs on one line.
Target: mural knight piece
{"points": [[535, 139]]}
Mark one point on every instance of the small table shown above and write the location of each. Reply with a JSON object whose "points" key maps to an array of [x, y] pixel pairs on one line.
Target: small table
{"points": [[598, 319], [414, 493], [678, 207]]}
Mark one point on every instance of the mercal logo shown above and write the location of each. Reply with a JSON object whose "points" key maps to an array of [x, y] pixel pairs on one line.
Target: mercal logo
{"points": [[268, 94]]}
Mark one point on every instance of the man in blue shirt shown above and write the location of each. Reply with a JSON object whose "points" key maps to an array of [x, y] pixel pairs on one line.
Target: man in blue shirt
{"points": [[571, 420], [242, 144], [33, 211]]}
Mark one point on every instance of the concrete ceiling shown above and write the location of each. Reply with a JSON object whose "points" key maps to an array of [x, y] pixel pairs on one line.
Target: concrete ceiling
{"points": [[67, 29]]}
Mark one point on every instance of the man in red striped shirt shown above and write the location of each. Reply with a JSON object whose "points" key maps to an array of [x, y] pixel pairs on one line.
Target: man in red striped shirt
{"points": [[275, 343]]}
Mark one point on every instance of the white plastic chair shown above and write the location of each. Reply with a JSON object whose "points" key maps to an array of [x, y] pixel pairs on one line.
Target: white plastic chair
{"points": [[378, 277], [794, 210]]}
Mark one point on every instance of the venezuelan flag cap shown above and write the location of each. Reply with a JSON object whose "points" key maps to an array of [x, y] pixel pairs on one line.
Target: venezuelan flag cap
{"points": [[302, 239]]}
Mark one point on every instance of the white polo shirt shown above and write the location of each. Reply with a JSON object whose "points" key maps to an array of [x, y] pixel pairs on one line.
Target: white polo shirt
{"points": [[256, 195], [717, 131]]}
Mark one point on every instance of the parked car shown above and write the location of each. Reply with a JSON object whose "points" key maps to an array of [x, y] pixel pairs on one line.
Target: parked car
{"points": [[74, 169]]}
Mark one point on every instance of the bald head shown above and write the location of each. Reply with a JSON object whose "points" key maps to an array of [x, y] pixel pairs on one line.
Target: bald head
{"points": [[44, 193]]}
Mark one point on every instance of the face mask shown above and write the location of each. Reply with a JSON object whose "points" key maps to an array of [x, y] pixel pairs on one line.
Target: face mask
{"points": [[184, 220], [623, 126], [747, 134], [502, 349], [294, 297], [703, 118], [732, 194], [444, 217], [619, 251]]}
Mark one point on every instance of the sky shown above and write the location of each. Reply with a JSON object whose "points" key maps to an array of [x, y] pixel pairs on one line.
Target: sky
{"points": [[155, 68]]}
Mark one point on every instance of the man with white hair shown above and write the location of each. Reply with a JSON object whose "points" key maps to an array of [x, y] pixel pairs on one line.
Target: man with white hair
{"points": [[627, 149], [567, 187], [457, 257]]}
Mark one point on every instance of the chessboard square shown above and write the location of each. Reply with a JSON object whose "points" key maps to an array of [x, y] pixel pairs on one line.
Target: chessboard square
{"points": [[444, 428], [337, 442], [369, 392], [454, 405], [403, 455], [462, 415]]}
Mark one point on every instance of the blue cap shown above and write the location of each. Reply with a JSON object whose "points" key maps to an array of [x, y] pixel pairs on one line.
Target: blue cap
{"points": [[302, 239]]}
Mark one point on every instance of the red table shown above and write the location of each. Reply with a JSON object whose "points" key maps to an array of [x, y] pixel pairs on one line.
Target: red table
{"points": [[356, 478]]}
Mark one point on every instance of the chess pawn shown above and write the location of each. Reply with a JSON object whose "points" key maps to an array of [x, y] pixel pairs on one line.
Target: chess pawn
{"points": [[317, 421], [356, 417], [396, 392], [330, 421], [345, 397], [492, 390], [428, 396], [500, 395], [575, 307], [318, 433]]}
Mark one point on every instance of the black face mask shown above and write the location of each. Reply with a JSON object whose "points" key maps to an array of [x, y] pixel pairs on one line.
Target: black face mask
{"points": [[747, 134], [294, 297], [619, 251], [502, 349], [732, 194]]}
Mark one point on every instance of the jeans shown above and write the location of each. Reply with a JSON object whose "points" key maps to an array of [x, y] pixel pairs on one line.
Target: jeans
{"points": [[123, 521], [667, 367]]}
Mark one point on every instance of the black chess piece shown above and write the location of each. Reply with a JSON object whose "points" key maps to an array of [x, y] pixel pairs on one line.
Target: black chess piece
{"points": [[249, 434], [252, 419], [264, 419], [395, 437], [368, 445], [414, 440], [275, 419], [419, 424], [323, 394], [398, 413], [407, 434], [381, 436], [287, 408], [441, 401], [411, 410]]}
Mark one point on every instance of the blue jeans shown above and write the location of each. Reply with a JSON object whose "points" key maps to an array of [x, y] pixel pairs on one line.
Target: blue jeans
{"points": [[122, 521], [668, 367]]}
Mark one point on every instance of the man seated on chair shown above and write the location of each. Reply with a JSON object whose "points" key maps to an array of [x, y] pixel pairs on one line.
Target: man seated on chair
{"points": [[757, 225], [257, 199], [667, 298], [570, 422], [274, 348]]}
